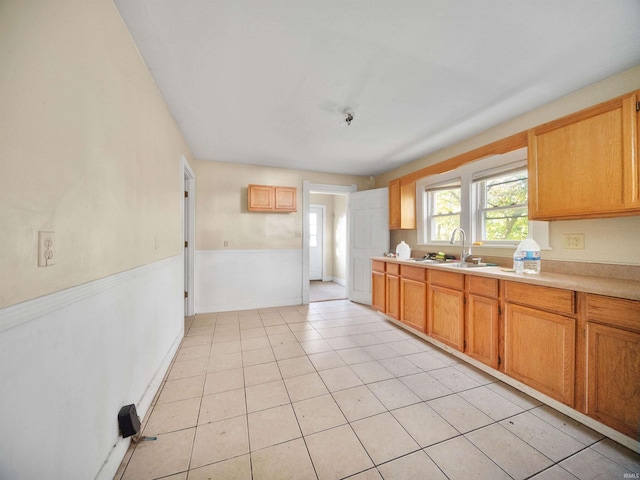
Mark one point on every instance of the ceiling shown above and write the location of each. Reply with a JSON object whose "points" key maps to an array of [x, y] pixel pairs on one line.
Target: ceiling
{"points": [[269, 82]]}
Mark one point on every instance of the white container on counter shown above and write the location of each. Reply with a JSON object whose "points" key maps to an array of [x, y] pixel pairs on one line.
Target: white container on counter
{"points": [[403, 251]]}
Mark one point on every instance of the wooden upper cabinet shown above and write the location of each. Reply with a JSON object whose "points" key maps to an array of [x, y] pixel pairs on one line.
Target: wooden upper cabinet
{"points": [[267, 198], [402, 205], [585, 165], [285, 199]]}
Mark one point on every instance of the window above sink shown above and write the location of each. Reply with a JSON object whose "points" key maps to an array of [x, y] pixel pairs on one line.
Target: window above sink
{"points": [[487, 198]]}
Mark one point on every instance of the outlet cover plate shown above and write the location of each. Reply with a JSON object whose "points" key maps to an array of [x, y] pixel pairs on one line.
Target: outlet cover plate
{"points": [[46, 249], [574, 241]]}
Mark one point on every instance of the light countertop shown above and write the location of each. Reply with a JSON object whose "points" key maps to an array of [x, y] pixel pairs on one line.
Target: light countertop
{"points": [[612, 287]]}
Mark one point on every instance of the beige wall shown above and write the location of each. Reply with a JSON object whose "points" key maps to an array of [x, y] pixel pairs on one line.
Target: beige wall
{"points": [[221, 205], [606, 240], [88, 149]]}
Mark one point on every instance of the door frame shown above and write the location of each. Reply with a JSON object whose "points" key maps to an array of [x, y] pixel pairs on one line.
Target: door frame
{"points": [[307, 189], [188, 234]]}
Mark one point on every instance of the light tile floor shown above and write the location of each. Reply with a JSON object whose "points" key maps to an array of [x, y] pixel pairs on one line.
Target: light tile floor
{"points": [[322, 291], [332, 390]]}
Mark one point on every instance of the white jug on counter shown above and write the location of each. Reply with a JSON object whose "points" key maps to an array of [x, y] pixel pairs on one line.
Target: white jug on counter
{"points": [[403, 251]]}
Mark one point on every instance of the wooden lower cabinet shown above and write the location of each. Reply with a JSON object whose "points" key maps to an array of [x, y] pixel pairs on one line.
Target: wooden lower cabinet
{"points": [[540, 351], [483, 316], [393, 296], [580, 349], [378, 291], [613, 363], [413, 297], [446, 316], [446, 308], [482, 329], [378, 286], [413, 308]]}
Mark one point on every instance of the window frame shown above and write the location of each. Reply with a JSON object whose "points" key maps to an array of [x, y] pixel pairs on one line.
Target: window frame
{"points": [[428, 194], [479, 179], [469, 173]]}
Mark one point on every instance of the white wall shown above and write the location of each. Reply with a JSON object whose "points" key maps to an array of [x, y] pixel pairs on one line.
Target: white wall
{"points": [[89, 150], [247, 279], [70, 360]]}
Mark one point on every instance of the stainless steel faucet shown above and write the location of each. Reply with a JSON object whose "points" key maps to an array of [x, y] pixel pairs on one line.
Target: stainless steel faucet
{"points": [[463, 256]]}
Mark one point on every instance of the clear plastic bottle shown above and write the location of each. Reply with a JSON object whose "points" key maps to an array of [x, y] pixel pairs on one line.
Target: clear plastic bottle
{"points": [[518, 261], [531, 250]]}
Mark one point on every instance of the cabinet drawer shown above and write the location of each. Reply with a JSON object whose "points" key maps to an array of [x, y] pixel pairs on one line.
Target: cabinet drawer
{"points": [[486, 287], [544, 298], [616, 312], [447, 279], [393, 268], [378, 266], [414, 273]]}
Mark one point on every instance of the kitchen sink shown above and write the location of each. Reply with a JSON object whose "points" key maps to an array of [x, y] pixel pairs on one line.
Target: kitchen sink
{"points": [[465, 265]]}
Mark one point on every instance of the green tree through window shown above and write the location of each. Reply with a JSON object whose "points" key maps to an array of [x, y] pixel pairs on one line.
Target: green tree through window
{"points": [[502, 206]]}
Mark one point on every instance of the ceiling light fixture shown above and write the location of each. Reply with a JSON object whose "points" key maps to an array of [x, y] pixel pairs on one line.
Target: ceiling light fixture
{"points": [[348, 118]]}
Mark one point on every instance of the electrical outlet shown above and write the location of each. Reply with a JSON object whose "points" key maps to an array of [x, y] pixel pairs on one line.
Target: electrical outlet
{"points": [[226, 243], [46, 249], [574, 241]]}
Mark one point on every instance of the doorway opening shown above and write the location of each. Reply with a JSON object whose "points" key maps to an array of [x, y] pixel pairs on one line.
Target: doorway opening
{"points": [[330, 255], [327, 247]]}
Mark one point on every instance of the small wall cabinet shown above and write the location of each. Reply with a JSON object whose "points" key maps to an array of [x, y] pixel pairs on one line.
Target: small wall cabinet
{"points": [[402, 205], [267, 198]]}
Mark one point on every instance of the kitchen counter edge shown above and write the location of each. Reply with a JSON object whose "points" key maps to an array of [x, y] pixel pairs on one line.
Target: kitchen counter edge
{"points": [[610, 287]]}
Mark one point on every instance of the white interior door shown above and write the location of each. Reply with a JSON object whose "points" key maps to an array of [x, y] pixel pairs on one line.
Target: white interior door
{"points": [[316, 242], [368, 237]]}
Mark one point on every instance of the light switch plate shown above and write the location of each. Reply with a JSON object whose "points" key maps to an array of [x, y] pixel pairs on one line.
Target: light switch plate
{"points": [[46, 249]]}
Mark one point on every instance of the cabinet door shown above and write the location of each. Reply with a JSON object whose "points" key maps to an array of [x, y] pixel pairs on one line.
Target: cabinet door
{"points": [[285, 199], [613, 377], [482, 330], [584, 165], [393, 296], [446, 316], [394, 204], [378, 291], [540, 351], [413, 307], [402, 205], [261, 198]]}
